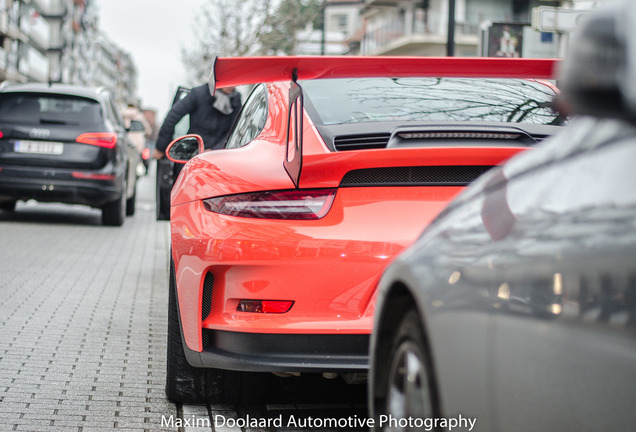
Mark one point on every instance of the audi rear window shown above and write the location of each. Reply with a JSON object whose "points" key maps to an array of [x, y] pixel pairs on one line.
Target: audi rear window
{"points": [[34, 108], [361, 100]]}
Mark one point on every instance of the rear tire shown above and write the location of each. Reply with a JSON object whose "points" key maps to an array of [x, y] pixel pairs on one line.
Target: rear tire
{"points": [[114, 212], [184, 383], [188, 384]]}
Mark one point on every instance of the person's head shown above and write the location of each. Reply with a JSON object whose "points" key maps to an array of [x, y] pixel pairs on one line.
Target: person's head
{"points": [[597, 76]]}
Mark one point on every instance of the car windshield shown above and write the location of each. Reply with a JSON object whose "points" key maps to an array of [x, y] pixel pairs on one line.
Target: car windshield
{"points": [[34, 108], [339, 101]]}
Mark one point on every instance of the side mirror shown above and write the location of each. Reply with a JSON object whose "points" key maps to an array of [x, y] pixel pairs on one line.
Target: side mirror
{"points": [[185, 148]]}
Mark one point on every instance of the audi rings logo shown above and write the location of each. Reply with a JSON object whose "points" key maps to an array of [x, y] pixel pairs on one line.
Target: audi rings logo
{"points": [[39, 133]]}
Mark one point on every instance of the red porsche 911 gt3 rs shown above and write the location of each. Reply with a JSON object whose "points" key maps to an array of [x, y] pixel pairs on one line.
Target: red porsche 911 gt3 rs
{"points": [[333, 167]]}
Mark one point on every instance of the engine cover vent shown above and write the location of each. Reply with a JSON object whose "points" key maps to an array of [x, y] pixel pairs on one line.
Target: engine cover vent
{"points": [[458, 175], [361, 142]]}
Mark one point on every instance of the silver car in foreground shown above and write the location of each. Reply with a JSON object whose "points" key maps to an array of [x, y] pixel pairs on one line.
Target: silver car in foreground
{"points": [[516, 308]]}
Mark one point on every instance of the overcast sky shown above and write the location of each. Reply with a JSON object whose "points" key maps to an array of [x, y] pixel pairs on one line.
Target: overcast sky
{"points": [[153, 32]]}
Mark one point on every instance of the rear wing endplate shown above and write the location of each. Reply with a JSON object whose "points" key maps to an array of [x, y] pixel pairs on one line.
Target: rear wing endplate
{"points": [[293, 162]]}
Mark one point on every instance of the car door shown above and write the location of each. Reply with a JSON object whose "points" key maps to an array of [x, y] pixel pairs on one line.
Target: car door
{"points": [[167, 172], [564, 296]]}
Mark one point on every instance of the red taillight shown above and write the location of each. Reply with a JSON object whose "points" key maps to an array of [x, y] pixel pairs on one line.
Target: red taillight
{"points": [[265, 306], [145, 154], [1, 134], [101, 139], [292, 204], [92, 176]]}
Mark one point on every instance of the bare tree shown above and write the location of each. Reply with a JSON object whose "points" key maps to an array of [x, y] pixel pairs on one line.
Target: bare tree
{"points": [[247, 27], [290, 17], [227, 28]]}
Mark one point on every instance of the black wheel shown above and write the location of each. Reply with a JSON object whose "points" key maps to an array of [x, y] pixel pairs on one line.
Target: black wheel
{"points": [[188, 384], [114, 212], [184, 383], [404, 383], [8, 206], [131, 202]]}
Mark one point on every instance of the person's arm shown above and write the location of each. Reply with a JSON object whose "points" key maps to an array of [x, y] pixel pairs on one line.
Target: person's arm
{"points": [[176, 113]]}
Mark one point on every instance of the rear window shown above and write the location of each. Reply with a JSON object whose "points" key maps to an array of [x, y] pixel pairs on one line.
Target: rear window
{"points": [[33, 108], [359, 100]]}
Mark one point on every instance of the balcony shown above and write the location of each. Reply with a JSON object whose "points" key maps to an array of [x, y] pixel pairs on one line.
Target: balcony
{"points": [[419, 34], [4, 22], [50, 9], [378, 3]]}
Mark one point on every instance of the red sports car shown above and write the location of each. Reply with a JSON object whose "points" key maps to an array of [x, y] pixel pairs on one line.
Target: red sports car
{"points": [[333, 167]]}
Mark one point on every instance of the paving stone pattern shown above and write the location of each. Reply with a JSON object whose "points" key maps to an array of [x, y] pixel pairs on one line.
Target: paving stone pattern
{"points": [[83, 319]]}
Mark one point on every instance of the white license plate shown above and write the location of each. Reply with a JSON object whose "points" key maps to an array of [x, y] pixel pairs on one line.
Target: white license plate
{"points": [[39, 147]]}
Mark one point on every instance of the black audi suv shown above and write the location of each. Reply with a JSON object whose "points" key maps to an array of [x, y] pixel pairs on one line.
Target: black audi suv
{"points": [[67, 144]]}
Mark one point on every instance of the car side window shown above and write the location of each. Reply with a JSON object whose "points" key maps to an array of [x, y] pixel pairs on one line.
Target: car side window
{"points": [[114, 113], [251, 120], [183, 126], [117, 113], [107, 111]]}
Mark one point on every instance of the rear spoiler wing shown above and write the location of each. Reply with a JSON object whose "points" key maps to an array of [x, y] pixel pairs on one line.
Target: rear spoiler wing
{"points": [[235, 71]]}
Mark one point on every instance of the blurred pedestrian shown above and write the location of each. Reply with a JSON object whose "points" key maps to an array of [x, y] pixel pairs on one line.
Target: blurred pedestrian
{"points": [[138, 137]]}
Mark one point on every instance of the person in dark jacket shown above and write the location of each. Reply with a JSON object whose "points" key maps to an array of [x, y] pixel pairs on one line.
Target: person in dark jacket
{"points": [[211, 117]]}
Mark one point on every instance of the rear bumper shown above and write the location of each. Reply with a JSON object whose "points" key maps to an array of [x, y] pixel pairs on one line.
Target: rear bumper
{"points": [[259, 352], [58, 185], [328, 268]]}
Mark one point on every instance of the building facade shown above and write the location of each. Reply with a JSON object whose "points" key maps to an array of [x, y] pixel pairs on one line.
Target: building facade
{"points": [[421, 27], [59, 41]]}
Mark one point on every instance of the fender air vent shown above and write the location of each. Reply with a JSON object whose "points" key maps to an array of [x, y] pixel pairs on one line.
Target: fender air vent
{"points": [[206, 298]]}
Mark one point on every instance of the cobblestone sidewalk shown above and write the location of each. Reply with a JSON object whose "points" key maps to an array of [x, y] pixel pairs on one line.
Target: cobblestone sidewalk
{"points": [[83, 319]]}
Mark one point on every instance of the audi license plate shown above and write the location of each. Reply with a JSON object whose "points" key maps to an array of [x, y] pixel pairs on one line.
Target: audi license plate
{"points": [[39, 147]]}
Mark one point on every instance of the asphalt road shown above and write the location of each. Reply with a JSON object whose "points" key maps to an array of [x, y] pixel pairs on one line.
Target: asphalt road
{"points": [[83, 334]]}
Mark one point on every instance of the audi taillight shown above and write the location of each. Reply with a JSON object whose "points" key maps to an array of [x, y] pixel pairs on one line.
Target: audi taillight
{"points": [[290, 204], [101, 139]]}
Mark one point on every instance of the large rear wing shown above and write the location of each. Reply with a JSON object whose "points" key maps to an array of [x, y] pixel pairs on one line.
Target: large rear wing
{"points": [[234, 71]]}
